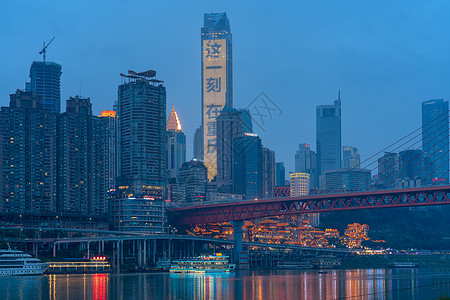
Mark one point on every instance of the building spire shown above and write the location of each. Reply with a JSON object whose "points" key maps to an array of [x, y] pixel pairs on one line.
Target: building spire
{"points": [[173, 124]]}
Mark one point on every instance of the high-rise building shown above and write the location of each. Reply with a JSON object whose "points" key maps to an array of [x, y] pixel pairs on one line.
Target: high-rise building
{"points": [[82, 159], [299, 184], [141, 109], [176, 145], [347, 180], [27, 156], [305, 162], [193, 180], [351, 157], [388, 170], [231, 123], [216, 81], [435, 141], [112, 137], [328, 136], [268, 173], [411, 164], [198, 144], [46, 81], [280, 174], [247, 166]]}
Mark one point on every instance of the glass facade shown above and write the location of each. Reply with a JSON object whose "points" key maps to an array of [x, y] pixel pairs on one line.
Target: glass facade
{"points": [[328, 137], [435, 141], [247, 167]]}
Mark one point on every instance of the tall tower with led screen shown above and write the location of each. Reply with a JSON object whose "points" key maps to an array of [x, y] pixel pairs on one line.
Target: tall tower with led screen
{"points": [[216, 81]]}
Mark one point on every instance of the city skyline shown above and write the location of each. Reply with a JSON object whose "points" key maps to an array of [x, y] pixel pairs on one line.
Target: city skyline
{"points": [[358, 92]]}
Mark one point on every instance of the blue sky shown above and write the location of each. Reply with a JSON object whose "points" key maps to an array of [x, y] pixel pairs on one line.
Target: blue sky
{"points": [[386, 57]]}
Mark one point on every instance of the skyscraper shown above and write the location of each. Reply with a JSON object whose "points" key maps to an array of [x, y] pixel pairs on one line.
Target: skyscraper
{"points": [[231, 123], [176, 145], [435, 140], [46, 81], [280, 174], [111, 122], [388, 170], [138, 204], [305, 162], [198, 144], [247, 166], [411, 164], [193, 179], [216, 81], [82, 159], [27, 156], [351, 157], [328, 136], [268, 173]]}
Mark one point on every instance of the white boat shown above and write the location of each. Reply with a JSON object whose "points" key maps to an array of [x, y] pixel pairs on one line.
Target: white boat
{"points": [[217, 263], [15, 262]]}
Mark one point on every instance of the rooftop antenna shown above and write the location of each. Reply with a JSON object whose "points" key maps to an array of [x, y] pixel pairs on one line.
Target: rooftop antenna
{"points": [[339, 95], [44, 48]]}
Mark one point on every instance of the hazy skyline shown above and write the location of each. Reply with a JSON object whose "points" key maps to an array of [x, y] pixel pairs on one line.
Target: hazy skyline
{"points": [[386, 58]]}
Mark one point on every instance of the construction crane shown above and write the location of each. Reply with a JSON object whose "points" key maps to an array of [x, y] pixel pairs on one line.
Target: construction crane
{"points": [[44, 48]]}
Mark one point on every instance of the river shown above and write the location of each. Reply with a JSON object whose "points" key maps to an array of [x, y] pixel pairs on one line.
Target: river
{"points": [[422, 283]]}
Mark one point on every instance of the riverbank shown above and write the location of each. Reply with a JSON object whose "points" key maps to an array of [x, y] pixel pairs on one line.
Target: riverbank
{"points": [[383, 261]]}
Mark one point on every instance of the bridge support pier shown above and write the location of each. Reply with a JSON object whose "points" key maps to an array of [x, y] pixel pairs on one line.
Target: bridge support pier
{"points": [[238, 233], [154, 251], [118, 256]]}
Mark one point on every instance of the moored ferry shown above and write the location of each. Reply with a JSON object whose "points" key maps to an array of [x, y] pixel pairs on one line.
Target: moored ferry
{"points": [[217, 263], [15, 262]]}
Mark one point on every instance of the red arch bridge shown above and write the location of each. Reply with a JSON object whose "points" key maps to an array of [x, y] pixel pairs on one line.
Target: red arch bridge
{"points": [[246, 210]]}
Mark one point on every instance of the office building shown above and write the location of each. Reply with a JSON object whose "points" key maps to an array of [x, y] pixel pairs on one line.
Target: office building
{"points": [[198, 144], [82, 159], [141, 109], [176, 145], [280, 174], [268, 173], [345, 180], [193, 181], [247, 166], [45, 79], [299, 183], [435, 141], [231, 123], [388, 170], [27, 156], [351, 157], [305, 162], [216, 81], [328, 137], [411, 164]]}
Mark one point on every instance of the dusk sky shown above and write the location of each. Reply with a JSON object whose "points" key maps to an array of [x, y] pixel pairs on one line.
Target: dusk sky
{"points": [[386, 57]]}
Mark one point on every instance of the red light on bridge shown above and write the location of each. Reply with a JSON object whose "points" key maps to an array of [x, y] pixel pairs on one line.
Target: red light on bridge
{"points": [[438, 179]]}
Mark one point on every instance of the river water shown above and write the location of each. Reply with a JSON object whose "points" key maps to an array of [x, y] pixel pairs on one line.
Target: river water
{"points": [[422, 283]]}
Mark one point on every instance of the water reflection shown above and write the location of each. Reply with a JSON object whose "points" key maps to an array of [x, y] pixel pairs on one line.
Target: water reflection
{"points": [[336, 284]]}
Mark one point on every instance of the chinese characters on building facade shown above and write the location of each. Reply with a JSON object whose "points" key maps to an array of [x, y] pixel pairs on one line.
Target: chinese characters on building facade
{"points": [[214, 97]]}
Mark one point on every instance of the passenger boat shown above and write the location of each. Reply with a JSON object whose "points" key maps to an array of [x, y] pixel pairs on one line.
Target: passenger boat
{"points": [[217, 263], [15, 262]]}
